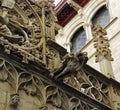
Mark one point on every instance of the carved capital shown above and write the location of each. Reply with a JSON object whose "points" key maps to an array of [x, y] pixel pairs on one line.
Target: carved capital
{"points": [[89, 24]]}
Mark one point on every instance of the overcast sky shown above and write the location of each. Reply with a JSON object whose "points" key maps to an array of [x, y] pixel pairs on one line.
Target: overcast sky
{"points": [[57, 1]]}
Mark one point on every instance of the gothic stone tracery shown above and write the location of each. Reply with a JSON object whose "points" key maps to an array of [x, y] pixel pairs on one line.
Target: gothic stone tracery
{"points": [[25, 27], [25, 30]]}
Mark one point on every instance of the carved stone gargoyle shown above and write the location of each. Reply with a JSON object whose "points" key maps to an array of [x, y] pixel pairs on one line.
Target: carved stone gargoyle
{"points": [[70, 64]]}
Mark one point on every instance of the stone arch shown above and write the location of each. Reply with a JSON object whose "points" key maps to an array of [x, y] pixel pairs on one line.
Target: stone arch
{"points": [[101, 17], [70, 31], [71, 28], [91, 11], [79, 21]]}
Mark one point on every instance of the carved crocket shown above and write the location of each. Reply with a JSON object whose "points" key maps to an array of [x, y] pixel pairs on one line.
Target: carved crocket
{"points": [[71, 64]]}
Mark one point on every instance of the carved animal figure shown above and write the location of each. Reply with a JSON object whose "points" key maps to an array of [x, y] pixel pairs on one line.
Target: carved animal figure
{"points": [[71, 64]]}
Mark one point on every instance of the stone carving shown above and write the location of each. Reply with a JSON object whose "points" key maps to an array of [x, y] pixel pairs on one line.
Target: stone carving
{"points": [[53, 96], [34, 87], [46, 94], [14, 100], [29, 83], [101, 44], [7, 72], [89, 85], [76, 104], [43, 108], [50, 17], [25, 27], [8, 4], [71, 64]]}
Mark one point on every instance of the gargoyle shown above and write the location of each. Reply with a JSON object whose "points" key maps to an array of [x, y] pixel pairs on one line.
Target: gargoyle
{"points": [[71, 64]]}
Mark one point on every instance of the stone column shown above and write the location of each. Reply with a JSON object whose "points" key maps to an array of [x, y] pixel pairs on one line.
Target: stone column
{"points": [[103, 53], [87, 28]]}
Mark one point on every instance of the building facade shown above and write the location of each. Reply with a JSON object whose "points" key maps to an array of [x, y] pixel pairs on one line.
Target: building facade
{"points": [[76, 33], [36, 73]]}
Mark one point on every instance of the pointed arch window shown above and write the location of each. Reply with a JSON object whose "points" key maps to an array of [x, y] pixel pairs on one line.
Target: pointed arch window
{"points": [[79, 40], [101, 17]]}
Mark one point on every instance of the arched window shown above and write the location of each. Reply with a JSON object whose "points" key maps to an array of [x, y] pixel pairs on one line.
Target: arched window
{"points": [[78, 40], [102, 17]]}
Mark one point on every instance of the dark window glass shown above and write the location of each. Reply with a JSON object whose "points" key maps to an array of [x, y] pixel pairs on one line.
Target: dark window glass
{"points": [[78, 40], [101, 17]]}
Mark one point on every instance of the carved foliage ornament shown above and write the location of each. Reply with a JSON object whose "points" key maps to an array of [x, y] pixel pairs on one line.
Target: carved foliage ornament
{"points": [[31, 84], [23, 27], [34, 87], [101, 44], [89, 85]]}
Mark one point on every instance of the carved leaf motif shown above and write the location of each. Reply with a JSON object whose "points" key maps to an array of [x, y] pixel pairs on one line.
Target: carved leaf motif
{"points": [[53, 96], [32, 86], [43, 108], [81, 77], [84, 106], [13, 74], [101, 44], [56, 100], [93, 81], [7, 72], [74, 102], [40, 91], [65, 102], [3, 73], [94, 93], [72, 81], [105, 99], [50, 90], [24, 77]]}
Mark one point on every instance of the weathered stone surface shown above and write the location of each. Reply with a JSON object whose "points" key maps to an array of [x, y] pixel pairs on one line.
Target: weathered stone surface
{"points": [[2, 106]]}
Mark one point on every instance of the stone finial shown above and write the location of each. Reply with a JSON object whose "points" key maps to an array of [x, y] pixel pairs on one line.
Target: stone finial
{"points": [[101, 44]]}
